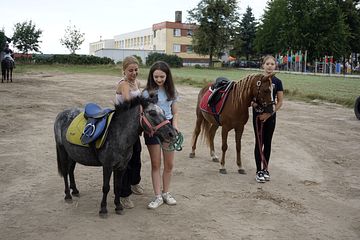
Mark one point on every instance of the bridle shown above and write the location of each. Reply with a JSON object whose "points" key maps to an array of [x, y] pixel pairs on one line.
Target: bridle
{"points": [[147, 126], [260, 108], [151, 130]]}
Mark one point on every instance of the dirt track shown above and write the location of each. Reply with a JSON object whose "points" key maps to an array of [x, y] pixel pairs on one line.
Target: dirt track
{"points": [[314, 192]]}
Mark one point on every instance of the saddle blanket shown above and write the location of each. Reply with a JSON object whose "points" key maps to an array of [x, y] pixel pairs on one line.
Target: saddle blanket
{"points": [[76, 128], [215, 110]]}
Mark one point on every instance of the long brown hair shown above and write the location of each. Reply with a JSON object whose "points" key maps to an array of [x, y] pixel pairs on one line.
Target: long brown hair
{"points": [[169, 86]]}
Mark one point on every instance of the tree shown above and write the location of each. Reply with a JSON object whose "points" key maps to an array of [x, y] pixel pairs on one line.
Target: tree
{"points": [[73, 39], [245, 36], [315, 25], [26, 37], [216, 20]]}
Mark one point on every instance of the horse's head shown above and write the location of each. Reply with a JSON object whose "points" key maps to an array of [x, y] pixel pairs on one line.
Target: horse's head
{"points": [[262, 90], [154, 122]]}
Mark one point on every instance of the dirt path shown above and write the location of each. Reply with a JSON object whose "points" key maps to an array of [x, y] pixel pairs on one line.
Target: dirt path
{"points": [[314, 191]]}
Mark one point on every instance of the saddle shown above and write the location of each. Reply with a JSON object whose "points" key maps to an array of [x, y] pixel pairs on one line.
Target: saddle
{"points": [[90, 127], [220, 88]]}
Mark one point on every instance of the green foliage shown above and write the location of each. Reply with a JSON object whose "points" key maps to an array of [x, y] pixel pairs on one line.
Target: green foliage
{"points": [[26, 37], [73, 39], [3, 39], [216, 20], [243, 44], [139, 60], [70, 59], [318, 26], [172, 60]]}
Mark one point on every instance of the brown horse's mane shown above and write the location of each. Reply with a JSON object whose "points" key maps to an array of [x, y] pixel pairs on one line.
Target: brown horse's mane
{"points": [[242, 89]]}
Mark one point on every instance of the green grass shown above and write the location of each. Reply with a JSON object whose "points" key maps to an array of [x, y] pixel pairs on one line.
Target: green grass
{"points": [[341, 90]]}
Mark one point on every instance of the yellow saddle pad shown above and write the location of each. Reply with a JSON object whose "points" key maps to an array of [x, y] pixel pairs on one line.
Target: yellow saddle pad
{"points": [[76, 128]]}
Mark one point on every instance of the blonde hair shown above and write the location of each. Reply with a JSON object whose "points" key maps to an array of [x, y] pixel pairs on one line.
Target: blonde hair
{"points": [[267, 57], [129, 60]]}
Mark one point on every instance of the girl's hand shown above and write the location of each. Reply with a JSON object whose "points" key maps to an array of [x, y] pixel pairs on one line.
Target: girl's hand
{"points": [[264, 116]]}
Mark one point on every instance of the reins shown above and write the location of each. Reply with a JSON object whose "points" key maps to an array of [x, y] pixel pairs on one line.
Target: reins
{"points": [[259, 137]]}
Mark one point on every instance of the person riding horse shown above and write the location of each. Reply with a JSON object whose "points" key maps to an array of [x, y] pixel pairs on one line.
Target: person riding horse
{"points": [[8, 53]]}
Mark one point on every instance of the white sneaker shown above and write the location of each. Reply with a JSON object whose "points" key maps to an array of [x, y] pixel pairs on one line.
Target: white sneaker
{"points": [[137, 189], [157, 202], [260, 177], [126, 202], [168, 199], [266, 175]]}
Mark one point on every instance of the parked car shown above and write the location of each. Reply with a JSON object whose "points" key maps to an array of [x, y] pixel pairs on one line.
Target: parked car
{"points": [[247, 64]]}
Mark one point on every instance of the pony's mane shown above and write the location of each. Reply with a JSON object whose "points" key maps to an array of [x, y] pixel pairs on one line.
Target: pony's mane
{"points": [[242, 88], [126, 105]]}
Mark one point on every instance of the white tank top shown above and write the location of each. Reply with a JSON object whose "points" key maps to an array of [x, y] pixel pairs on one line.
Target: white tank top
{"points": [[120, 99]]}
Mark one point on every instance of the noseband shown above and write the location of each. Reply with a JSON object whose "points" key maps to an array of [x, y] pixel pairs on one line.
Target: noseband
{"points": [[146, 124]]}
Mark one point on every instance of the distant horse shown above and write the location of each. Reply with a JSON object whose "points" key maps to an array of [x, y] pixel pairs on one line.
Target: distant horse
{"points": [[126, 124], [234, 114], [6, 69]]}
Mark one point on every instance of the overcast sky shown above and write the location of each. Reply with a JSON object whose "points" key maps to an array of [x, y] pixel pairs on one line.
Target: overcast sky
{"points": [[105, 18]]}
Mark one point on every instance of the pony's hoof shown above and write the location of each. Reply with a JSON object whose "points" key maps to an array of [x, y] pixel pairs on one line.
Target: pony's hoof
{"points": [[75, 193], [103, 213], [68, 199], [215, 159], [241, 171], [119, 211], [223, 171], [191, 155]]}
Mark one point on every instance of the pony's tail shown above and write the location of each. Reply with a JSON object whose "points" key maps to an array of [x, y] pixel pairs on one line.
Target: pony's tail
{"points": [[205, 131], [61, 160]]}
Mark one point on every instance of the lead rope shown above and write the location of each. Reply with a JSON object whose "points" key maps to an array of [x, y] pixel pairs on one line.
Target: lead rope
{"points": [[259, 136], [173, 145]]}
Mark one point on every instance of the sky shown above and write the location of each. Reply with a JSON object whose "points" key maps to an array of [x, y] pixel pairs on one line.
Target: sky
{"points": [[97, 19]]}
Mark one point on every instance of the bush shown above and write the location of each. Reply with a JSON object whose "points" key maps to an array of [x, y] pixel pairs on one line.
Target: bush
{"points": [[172, 60], [70, 59]]}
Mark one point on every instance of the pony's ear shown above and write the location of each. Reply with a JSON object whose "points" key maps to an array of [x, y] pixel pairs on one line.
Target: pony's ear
{"points": [[153, 97]]}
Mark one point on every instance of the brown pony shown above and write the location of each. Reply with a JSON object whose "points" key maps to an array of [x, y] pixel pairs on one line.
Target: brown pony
{"points": [[234, 115]]}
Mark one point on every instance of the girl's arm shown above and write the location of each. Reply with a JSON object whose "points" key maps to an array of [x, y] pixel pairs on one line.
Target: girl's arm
{"points": [[123, 88], [174, 109]]}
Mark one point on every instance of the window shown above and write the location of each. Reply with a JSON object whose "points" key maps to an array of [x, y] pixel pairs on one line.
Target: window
{"points": [[155, 34], [190, 32], [176, 48], [177, 32], [189, 48]]}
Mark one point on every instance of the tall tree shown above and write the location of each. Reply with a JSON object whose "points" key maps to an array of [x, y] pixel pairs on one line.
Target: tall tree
{"points": [[314, 25], [73, 39], [216, 20], [247, 33], [26, 37]]}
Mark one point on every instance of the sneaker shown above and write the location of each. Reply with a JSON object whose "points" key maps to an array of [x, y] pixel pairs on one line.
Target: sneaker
{"points": [[266, 175], [157, 202], [168, 199], [126, 202], [137, 189], [260, 177]]}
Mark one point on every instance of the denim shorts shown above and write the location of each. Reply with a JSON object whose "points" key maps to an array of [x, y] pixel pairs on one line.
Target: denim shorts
{"points": [[152, 140]]}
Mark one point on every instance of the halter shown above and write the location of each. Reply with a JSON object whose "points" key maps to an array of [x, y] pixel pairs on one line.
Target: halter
{"points": [[173, 145], [152, 129], [260, 107]]}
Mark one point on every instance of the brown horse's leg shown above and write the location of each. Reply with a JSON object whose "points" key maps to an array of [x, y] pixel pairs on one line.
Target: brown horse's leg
{"points": [[238, 135], [224, 147], [212, 133], [197, 130]]}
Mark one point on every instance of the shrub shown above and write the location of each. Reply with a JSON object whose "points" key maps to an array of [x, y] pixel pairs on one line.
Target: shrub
{"points": [[172, 60], [71, 59]]}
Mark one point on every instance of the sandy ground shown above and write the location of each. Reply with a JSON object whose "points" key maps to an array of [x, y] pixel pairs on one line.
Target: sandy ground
{"points": [[314, 192]]}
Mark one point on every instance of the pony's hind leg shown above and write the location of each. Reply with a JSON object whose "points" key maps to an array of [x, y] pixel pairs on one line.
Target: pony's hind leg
{"points": [[197, 130], [212, 133], [75, 191], [63, 169]]}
